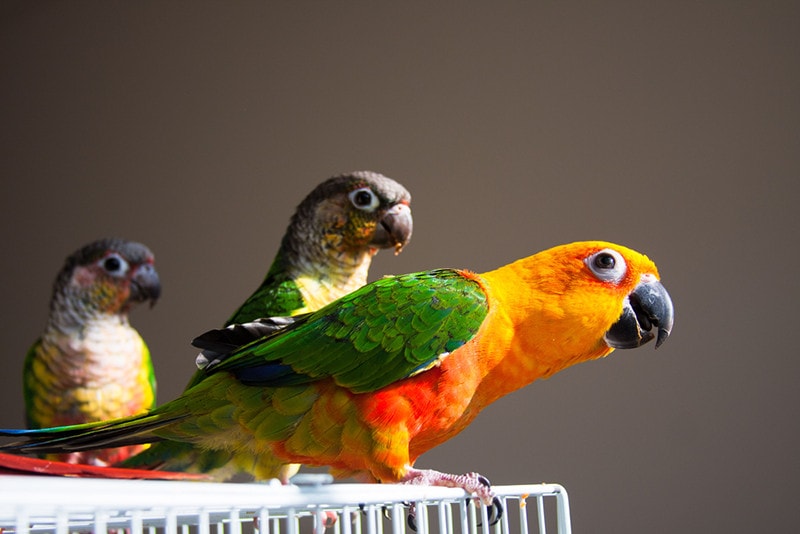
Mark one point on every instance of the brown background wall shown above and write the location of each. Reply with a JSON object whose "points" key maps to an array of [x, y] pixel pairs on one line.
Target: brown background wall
{"points": [[196, 127]]}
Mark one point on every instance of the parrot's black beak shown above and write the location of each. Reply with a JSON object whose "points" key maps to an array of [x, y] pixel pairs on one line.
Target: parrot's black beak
{"points": [[647, 306], [145, 284], [394, 229]]}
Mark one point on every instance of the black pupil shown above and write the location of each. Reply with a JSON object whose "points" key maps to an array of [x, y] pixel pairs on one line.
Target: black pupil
{"points": [[112, 264], [363, 198], [604, 261]]}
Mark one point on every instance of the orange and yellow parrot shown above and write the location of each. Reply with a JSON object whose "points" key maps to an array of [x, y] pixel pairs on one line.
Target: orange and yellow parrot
{"points": [[373, 380]]}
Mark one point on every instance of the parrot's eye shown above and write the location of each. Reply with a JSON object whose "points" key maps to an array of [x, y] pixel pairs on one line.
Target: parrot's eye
{"points": [[604, 261], [114, 265], [607, 265], [364, 199]]}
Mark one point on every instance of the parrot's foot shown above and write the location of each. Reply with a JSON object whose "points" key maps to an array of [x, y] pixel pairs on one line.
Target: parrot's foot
{"points": [[472, 483]]}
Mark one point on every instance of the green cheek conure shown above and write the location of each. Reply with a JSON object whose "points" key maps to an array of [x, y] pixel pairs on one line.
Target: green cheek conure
{"points": [[325, 253], [90, 364]]}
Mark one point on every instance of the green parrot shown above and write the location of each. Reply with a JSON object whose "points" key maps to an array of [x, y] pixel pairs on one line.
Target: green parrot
{"points": [[328, 247], [90, 364], [325, 253], [373, 380]]}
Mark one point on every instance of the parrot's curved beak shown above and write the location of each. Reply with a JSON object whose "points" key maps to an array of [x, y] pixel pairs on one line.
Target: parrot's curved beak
{"points": [[647, 306], [145, 284], [395, 228]]}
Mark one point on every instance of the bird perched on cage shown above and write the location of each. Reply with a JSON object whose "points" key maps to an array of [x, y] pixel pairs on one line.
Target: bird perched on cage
{"points": [[90, 364], [373, 380], [325, 253]]}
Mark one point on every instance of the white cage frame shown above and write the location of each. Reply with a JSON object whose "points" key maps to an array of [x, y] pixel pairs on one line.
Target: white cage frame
{"points": [[38, 504]]}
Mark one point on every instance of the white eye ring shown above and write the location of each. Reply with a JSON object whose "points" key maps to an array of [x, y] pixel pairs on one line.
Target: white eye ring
{"points": [[114, 265], [607, 265], [364, 199]]}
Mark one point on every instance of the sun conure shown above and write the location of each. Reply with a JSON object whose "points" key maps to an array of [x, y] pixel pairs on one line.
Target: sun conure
{"points": [[90, 364], [373, 380], [325, 253]]}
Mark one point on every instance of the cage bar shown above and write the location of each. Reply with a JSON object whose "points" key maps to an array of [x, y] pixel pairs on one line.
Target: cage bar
{"points": [[56, 505]]}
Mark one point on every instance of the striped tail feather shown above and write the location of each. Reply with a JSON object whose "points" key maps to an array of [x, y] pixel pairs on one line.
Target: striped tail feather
{"points": [[134, 430]]}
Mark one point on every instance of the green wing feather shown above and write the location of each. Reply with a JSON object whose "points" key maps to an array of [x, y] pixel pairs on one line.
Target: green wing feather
{"points": [[377, 335], [273, 298]]}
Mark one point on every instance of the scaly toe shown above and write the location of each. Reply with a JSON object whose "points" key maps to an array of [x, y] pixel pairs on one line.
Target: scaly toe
{"points": [[494, 511]]}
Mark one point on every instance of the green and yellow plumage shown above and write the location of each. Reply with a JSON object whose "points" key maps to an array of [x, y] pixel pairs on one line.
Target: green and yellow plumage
{"points": [[328, 247], [325, 253], [89, 364]]}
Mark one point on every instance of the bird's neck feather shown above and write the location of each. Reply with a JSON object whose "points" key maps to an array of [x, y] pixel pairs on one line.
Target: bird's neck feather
{"points": [[527, 314], [323, 272]]}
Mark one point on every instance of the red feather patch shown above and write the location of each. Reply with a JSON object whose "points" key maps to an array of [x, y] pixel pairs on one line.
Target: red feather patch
{"points": [[12, 464]]}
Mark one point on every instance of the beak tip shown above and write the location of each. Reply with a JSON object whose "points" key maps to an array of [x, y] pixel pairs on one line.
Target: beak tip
{"points": [[395, 228], [648, 305], [663, 334]]}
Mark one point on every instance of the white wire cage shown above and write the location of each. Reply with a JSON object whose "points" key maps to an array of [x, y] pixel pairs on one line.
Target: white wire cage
{"points": [[34, 504]]}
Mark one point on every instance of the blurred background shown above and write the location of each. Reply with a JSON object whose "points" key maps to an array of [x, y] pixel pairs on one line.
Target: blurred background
{"points": [[673, 128]]}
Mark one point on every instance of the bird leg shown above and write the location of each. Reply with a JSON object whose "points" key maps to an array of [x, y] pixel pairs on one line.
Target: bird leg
{"points": [[472, 483]]}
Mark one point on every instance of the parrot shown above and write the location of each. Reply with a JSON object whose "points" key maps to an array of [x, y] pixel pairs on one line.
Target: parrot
{"points": [[327, 249], [89, 363], [325, 253], [368, 383]]}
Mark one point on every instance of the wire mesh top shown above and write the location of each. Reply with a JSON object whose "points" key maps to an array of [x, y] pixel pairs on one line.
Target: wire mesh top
{"points": [[63, 505]]}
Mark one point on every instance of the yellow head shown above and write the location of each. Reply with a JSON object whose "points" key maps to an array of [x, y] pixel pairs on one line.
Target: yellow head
{"points": [[580, 301]]}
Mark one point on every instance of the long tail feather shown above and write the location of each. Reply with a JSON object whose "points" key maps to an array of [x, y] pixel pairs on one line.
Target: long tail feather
{"points": [[88, 436], [12, 464]]}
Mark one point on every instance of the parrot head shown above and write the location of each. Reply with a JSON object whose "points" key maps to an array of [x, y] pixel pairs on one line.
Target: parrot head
{"points": [[354, 212], [645, 302], [646, 305], [594, 297], [107, 276]]}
